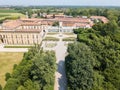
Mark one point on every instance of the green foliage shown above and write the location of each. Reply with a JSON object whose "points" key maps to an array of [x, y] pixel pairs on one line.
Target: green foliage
{"points": [[8, 11], [55, 24], [35, 72], [29, 85], [31, 53], [7, 76], [6, 46], [0, 87], [44, 68], [104, 42], [79, 67], [12, 84], [51, 39], [69, 39], [106, 29], [76, 31]]}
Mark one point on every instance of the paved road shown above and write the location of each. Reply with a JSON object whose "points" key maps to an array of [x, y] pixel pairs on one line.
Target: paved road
{"points": [[60, 76]]}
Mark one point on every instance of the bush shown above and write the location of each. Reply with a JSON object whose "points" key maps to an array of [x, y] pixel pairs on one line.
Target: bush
{"points": [[7, 76]]}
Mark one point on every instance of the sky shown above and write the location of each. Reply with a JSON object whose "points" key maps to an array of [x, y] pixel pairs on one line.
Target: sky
{"points": [[62, 2]]}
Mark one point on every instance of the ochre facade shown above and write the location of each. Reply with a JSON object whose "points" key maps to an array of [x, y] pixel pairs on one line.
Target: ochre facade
{"points": [[21, 38], [31, 31]]}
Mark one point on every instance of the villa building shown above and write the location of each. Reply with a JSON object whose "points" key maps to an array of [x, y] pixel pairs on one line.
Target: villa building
{"points": [[30, 31]]}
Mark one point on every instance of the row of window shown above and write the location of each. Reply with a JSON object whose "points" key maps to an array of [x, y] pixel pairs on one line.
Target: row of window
{"points": [[6, 41], [31, 27], [20, 36]]}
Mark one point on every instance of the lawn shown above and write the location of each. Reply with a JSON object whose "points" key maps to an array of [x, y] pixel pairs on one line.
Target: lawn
{"points": [[69, 39], [51, 39], [50, 45], [7, 61], [54, 33], [68, 33], [18, 46]]}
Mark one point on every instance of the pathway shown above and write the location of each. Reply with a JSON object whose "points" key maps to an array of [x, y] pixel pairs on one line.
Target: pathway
{"points": [[13, 50], [2, 49], [60, 76]]}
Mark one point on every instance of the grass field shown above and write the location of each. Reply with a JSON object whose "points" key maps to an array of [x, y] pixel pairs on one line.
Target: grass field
{"points": [[8, 11], [7, 60], [9, 14]]}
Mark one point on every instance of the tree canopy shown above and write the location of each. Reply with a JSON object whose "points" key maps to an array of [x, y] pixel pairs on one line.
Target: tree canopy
{"points": [[35, 72], [104, 42]]}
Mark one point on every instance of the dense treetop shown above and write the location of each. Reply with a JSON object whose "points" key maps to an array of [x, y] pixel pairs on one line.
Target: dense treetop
{"points": [[103, 41], [35, 72]]}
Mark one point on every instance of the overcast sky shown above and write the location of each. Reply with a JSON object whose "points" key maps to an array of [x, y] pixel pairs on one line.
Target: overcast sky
{"points": [[62, 2]]}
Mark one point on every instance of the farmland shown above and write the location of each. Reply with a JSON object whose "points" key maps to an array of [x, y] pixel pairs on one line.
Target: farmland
{"points": [[9, 14]]}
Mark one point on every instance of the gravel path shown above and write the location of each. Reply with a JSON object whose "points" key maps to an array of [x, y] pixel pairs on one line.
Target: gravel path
{"points": [[2, 49], [13, 50], [60, 76]]}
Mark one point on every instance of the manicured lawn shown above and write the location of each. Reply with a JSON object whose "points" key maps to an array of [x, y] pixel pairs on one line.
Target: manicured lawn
{"points": [[68, 33], [52, 33], [18, 46], [51, 39], [51, 45], [69, 39], [7, 61]]}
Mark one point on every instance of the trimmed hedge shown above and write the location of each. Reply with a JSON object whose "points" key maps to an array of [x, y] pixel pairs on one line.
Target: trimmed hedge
{"points": [[18, 46]]}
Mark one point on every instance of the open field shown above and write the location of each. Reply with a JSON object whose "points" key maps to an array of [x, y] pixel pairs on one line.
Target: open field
{"points": [[7, 10], [7, 61], [9, 14]]}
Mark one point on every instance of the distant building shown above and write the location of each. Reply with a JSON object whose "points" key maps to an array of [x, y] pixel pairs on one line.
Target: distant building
{"points": [[99, 18]]}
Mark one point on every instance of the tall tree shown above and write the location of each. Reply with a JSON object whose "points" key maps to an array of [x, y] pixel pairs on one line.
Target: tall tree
{"points": [[79, 67]]}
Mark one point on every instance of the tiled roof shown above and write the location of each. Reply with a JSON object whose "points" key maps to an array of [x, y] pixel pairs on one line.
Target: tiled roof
{"points": [[11, 24], [102, 18], [81, 25]]}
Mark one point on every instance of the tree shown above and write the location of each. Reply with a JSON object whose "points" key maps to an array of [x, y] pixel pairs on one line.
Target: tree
{"points": [[55, 24], [7, 76], [104, 43], [43, 69], [0, 87], [12, 84], [79, 67], [29, 85]]}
